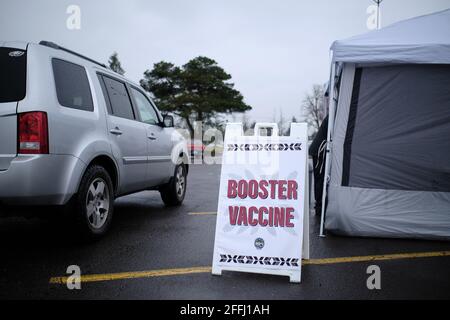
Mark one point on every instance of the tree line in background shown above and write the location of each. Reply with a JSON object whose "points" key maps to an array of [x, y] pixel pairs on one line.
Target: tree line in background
{"points": [[201, 92]]}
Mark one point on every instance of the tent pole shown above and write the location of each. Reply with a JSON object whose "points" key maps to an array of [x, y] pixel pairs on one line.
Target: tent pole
{"points": [[331, 116]]}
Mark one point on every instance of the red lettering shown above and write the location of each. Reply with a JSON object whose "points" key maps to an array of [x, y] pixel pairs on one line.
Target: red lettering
{"points": [[242, 189], [266, 216], [279, 217], [289, 217], [253, 189], [276, 189], [282, 189], [270, 217], [232, 192], [262, 222], [251, 221], [273, 184], [263, 194], [242, 218], [292, 189], [233, 214]]}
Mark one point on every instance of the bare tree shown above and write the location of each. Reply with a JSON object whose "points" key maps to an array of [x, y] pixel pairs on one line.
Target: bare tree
{"points": [[314, 108], [281, 123], [280, 120], [247, 124]]}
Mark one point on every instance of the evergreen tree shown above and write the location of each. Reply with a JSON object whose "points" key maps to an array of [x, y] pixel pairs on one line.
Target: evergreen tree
{"points": [[200, 90], [114, 64]]}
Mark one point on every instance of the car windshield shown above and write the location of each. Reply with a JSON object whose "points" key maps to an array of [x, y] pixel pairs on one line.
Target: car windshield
{"points": [[13, 66]]}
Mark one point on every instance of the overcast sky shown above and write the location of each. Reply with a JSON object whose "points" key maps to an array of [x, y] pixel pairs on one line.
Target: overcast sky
{"points": [[275, 50]]}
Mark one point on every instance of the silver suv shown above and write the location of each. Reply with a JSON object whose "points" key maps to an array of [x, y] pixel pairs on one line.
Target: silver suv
{"points": [[74, 133]]}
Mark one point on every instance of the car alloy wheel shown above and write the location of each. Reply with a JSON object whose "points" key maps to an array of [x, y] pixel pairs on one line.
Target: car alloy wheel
{"points": [[97, 203], [180, 182]]}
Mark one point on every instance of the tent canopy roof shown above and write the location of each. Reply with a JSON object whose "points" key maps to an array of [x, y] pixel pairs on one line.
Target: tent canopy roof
{"points": [[424, 39]]}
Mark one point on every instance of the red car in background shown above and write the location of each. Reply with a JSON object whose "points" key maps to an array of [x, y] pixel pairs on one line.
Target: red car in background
{"points": [[196, 148]]}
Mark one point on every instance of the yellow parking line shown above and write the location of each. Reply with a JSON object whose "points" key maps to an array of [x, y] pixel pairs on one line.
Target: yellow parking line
{"points": [[201, 213], [133, 275], [186, 271], [395, 256]]}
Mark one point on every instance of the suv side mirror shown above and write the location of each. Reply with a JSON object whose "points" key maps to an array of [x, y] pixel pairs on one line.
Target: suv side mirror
{"points": [[168, 121]]}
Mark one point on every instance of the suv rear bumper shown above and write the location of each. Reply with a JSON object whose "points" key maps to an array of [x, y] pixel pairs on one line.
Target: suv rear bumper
{"points": [[40, 180]]}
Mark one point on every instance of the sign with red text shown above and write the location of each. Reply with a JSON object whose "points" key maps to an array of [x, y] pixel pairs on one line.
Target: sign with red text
{"points": [[262, 200]]}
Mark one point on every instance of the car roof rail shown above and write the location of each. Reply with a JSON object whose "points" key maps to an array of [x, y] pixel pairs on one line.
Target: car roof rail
{"points": [[58, 47]]}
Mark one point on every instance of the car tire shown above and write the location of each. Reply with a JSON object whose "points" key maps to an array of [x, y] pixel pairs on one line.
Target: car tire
{"points": [[92, 207], [174, 192]]}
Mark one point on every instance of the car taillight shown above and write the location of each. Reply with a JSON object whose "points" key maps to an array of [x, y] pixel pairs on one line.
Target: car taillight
{"points": [[32, 133]]}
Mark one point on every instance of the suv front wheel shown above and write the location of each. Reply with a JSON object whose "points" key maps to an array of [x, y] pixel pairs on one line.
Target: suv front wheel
{"points": [[173, 193]]}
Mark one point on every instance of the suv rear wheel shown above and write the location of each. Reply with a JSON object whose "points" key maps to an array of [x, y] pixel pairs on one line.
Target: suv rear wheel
{"points": [[173, 193], [93, 206]]}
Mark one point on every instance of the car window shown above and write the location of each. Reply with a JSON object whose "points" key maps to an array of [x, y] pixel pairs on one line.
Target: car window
{"points": [[13, 75], [119, 98], [146, 110], [105, 93], [72, 85]]}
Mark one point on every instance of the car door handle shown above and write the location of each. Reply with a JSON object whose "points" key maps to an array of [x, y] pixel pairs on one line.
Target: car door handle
{"points": [[151, 137], [116, 131]]}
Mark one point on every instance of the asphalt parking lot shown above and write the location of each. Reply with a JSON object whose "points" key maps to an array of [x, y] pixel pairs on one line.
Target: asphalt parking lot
{"points": [[153, 252]]}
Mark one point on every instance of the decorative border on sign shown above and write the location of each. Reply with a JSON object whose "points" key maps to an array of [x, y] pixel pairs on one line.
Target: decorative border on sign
{"points": [[267, 147], [267, 261]]}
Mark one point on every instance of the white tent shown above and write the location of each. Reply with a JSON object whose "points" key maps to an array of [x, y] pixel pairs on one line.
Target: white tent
{"points": [[388, 160]]}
